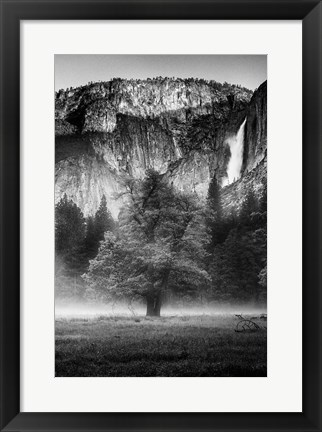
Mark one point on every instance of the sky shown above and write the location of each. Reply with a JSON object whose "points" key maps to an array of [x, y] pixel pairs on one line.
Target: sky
{"points": [[75, 70]]}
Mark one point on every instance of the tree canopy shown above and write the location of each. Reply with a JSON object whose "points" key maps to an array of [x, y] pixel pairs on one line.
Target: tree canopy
{"points": [[159, 246]]}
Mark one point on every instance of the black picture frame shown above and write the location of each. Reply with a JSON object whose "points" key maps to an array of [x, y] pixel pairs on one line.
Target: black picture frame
{"points": [[12, 12]]}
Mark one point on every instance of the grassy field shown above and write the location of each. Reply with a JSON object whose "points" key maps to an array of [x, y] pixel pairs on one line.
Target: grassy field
{"points": [[173, 346]]}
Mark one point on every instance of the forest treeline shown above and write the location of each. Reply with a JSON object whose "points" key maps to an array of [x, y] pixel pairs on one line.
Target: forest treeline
{"points": [[165, 245]]}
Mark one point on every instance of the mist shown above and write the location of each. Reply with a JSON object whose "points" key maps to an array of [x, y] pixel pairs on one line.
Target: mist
{"points": [[82, 309]]}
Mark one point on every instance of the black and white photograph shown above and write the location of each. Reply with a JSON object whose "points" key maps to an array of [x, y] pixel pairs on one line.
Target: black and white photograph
{"points": [[160, 215]]}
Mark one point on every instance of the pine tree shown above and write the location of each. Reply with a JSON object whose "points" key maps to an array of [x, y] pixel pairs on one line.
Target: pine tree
{"points": [[70, 260], [69, 226], [249, 213], [103, 220], [214, 197], [238, 260], [91, 242], [236, 265], [214, 213]]}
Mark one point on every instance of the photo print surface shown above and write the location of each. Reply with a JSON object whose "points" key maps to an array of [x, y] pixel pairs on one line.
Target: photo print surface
{"points": [[160, 215]]}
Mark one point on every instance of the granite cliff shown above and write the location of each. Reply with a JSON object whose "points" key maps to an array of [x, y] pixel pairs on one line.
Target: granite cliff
{"points": [[110, 130]]}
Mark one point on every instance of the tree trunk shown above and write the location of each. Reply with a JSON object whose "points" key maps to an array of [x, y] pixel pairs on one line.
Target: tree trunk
{"points": [[154, 300], [153, 303]]}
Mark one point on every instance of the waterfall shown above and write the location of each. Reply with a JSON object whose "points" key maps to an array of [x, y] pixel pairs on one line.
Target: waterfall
{"points": [[236, 144]]}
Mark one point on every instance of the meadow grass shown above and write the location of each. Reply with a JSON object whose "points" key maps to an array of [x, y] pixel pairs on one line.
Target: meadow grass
{"points": [[172, 346]]}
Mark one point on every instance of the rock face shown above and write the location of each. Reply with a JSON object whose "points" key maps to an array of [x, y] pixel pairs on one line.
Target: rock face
{"points": [[234, 194], [256, 129], [108, 131]]}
